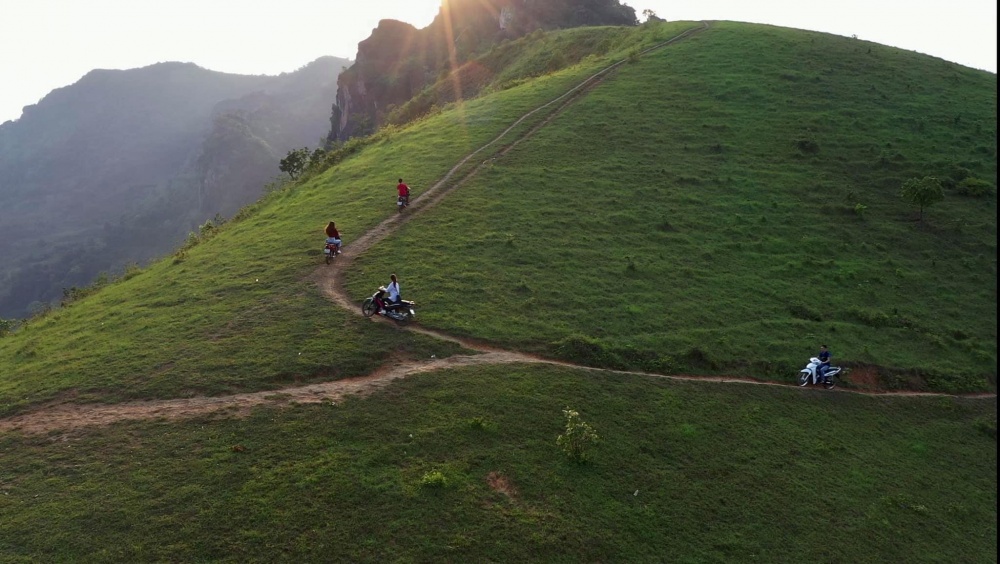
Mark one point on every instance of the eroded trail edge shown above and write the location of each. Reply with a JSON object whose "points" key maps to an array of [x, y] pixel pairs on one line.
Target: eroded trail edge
{"points": [[55, 417]]}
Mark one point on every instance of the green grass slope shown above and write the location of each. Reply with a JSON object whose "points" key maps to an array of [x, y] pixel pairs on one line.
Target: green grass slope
{"points": [[463, 466], [661, 222], [729, 204], [238, 312]]}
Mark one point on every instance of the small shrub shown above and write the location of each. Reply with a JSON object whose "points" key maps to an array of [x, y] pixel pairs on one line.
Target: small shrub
{"points": [[954, 174], [579, 437], [807, 146], [434, 479], [207, 229], [975, 188], [131, 270], [697, 359], [581, 349], [860, 209], [191, 241], [801, 311], [6, 326], [480, 423]]}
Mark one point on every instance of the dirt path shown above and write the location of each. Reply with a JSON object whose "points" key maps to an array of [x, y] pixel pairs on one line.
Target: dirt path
{"points": [[69, 416]]}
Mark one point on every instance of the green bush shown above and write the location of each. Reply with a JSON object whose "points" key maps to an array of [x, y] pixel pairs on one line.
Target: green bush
{"points": [[132, 270], [801, 311], [975, 188], [807, 146], [579, 437], [481, 424], [434, 479]]}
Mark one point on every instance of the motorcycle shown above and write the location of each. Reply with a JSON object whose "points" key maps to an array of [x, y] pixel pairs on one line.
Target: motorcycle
{"points": [[811, 374], [331, 250], [402, 202], [401, 313]]}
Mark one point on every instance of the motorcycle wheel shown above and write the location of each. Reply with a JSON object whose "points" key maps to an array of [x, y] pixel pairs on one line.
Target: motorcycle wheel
{"points": [[329, 257], [403, 317], [829, 384], [803, 378], [368, 307]]}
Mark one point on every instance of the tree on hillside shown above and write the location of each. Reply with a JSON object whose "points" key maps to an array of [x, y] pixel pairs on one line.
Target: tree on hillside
{"points": [[922, 192], [317, 157], [295, 162]]}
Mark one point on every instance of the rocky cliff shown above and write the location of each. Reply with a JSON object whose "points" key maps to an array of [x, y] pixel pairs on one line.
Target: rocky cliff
{"points": [[398, 61]]}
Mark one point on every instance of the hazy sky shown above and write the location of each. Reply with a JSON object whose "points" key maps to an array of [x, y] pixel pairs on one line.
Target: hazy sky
{"points": [[47, 44]]}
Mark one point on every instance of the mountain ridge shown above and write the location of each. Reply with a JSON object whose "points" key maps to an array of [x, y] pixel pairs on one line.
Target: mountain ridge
{"points": [[123, 154]]}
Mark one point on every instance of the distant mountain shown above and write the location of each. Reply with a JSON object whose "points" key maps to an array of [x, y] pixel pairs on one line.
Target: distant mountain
{"points": [[398, 60], [121, 165]]}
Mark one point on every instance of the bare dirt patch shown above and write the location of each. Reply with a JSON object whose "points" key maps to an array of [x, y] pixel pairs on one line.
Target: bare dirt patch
{"points": [[500, 483], [863, 378]]}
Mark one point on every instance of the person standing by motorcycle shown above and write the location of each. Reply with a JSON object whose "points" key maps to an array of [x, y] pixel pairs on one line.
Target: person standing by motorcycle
{"points": [[333, 236], [404, 194], [824, 361]]}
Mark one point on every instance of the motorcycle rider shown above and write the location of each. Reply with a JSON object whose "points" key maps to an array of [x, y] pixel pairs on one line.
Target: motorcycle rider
{"points": [[404, 193], [393, 298], [333, 236], [824, 362]]}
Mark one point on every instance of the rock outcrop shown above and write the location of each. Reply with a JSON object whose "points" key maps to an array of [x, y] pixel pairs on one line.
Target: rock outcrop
{"points": [[398, 60]]}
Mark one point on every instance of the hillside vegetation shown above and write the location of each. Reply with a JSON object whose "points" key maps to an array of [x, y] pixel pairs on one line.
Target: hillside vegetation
{"points": [[462, 466], [705, 212], [697, 211], [233, 312]]}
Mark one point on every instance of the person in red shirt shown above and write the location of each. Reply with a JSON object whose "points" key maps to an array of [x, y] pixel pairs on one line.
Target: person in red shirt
{"points": [[404, 195]]}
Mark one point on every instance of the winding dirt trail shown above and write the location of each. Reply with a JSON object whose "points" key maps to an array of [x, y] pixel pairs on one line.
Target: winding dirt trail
{"points": [[70, 416]]}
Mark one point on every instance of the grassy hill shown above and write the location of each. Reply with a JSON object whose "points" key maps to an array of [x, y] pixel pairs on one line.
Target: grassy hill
{"points": [[684, 472], [697, 211], [702, 211]]}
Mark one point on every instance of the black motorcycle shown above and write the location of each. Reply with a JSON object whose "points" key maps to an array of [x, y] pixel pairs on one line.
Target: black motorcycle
{"points": [[401, 313]]}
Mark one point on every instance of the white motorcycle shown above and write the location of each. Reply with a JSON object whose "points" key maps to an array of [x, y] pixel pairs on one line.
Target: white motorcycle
{"points": [[811, 374]]}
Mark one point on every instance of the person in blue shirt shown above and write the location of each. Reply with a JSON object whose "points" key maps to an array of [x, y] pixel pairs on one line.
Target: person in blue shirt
{"points": [[824, 361]]}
